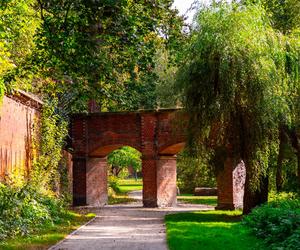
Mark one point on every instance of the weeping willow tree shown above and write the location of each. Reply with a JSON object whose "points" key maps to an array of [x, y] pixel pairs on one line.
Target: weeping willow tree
{"points": [[235, 86]]}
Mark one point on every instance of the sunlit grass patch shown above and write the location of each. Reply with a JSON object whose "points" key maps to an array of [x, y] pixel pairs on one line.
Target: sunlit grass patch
{"points": [[209, 230], [119, 199], [206, 200], [128, 185]]}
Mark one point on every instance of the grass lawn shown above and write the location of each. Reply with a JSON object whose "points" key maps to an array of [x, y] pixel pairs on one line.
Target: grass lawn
{"points": [[211, 230], [190, 198], [49, 235], [127, 185], [119, 199]]}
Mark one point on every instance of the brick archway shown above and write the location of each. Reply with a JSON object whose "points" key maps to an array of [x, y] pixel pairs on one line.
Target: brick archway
{"points": [[158, 135]]}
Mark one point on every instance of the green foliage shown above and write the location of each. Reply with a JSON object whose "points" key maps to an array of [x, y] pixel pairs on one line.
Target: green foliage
{"points": [[194, 172], [2, 90], [125, 157], [285, 15], [236, 83], [18, 24], [118, 39], [25, 209], [49, 234], [113, 183], [277, 222], [49, 142]]}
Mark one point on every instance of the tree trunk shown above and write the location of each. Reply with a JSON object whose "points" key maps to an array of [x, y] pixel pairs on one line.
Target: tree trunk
{"points": [[255, 198], [296, 145], [298, 156], [282, 142]]}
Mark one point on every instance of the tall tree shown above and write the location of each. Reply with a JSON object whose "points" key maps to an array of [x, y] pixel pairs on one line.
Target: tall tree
{"points": [[18, 24], [233, 80], [103, 50]]}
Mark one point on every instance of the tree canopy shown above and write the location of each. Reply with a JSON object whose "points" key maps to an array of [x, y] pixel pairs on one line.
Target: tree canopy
{"points": [[125, 157], [236, 80], [81, 50]]}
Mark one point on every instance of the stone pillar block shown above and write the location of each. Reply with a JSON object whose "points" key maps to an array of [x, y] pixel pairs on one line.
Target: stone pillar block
{"points": [[231, 182], [166, 181], [96, 178]]}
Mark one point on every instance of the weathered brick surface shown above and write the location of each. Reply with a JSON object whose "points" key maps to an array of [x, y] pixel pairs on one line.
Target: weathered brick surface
{"points": [[149, 183], [96, 178], [159, 136], [19, 115], [231, 181], [166, 181], [239, 179], [148, 142]]}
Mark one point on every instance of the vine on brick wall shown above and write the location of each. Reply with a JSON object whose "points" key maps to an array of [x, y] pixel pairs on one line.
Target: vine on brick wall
{"points": [[2, 90], [49, 142]]}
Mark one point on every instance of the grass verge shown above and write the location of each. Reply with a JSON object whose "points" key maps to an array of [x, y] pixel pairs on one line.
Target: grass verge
{"points": [[206, 200], [49, 234], [210, 230]]}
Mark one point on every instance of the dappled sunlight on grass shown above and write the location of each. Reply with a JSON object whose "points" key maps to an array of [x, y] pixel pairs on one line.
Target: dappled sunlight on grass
{"points": [[206, 200], [209, 230]]}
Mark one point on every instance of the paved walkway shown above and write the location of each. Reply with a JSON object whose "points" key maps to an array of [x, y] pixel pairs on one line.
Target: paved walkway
{"points": [[126, 227]]}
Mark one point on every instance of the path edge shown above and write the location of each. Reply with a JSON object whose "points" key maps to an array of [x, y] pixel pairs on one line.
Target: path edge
{"points": [[72, 233]]}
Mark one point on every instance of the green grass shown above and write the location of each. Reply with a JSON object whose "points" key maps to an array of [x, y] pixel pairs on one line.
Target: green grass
{"points": [[206, 200], [128, 185], [125, 186], [49, 235], [119, 199], [211, 230]]}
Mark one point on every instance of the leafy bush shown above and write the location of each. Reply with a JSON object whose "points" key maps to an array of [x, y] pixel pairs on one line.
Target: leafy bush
{"points": [[113, 182], [277, 222], [24, 209], [193, 172]]}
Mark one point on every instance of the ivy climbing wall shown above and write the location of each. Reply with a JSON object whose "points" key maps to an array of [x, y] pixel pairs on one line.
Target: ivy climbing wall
{"points": [[19, 115]]}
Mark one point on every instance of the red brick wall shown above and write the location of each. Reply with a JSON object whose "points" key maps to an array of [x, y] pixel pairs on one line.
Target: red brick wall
{"points": [[159, 135], [96, 181], [18, 116]]}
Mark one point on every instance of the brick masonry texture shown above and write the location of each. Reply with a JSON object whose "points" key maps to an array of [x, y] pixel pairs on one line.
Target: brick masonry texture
{"points": [[159, 136], [19, 115]]}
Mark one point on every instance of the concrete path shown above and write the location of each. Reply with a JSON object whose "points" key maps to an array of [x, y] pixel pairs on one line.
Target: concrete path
{"points": [[126, 227]]}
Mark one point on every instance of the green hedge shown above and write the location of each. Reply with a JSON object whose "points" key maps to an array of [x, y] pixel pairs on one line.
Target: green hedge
{"points": [[277, 223]]}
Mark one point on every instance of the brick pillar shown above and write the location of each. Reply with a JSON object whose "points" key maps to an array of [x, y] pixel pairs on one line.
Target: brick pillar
{"points": [[231, 182], [166, 181], [149, 157], [96, 182], [149, 183], [79, 181]]}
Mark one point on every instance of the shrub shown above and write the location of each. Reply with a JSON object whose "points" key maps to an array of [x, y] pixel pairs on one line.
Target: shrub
{"points": [[113, 182], [193, 172], [24, 209], [277, 222]]}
